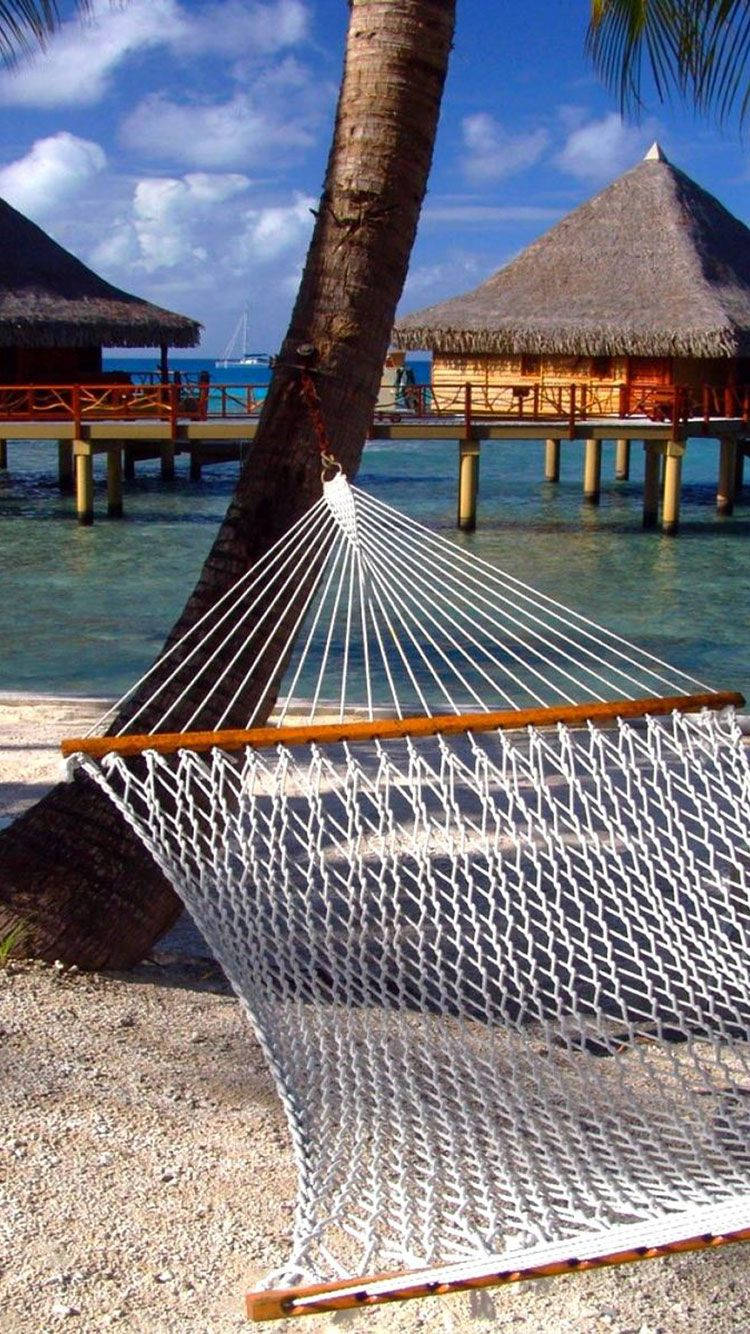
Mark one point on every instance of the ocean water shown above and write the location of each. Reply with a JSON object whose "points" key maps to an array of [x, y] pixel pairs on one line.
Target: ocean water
{"points": [[84, 610]]}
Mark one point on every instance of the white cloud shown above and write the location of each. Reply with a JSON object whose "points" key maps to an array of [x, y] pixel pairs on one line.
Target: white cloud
{"points": [[601, 149], [81, 59], [236, 28], [244, 130], [433, 282], [483, 213], [273, 231], [170, 221], [490, 153], [53, 170]]}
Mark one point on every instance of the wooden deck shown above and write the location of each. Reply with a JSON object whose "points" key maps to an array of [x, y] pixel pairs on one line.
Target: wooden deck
{"points": [[130, 423]]}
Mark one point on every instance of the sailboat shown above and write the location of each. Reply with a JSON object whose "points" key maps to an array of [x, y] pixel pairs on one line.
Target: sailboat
{"points": [[235, 353]]}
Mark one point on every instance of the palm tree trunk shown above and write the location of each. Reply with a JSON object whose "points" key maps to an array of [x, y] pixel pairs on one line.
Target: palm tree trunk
{"points": [[71, 872]]}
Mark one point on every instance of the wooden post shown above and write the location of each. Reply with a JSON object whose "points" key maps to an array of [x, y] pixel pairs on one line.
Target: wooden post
{"points": [[65, 469], [3, 455], [739, 469], [167, 461], [552, 460], [195, 464], [129, 463], [84, 482], [672, 484], [592, 471], [468, 484], [164, 363], [114, 482], [725, 490], [622, 460], [651, 479]]}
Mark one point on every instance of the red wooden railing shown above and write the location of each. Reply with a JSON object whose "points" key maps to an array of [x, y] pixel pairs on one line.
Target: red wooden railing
{"points": [[569, 403], [466, 404]]}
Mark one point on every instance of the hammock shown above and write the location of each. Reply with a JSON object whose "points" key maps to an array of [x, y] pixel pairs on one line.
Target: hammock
{"points": [[483, 886]]}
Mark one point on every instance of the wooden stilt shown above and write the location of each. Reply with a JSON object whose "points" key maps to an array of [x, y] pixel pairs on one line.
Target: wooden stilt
{"points": [[739, 469], [196, 464], [84, 482], [622, 460], [592, 471], [3, 455], [65, 469], [167, 461], [468, 484], [114, 483], [672, 486], [651, 482], [552, 460], [725, 490], [129, 463]]}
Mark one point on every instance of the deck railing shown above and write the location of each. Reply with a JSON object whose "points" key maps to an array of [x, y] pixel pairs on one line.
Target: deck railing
{"points": [[79, 403], [570, 404]]}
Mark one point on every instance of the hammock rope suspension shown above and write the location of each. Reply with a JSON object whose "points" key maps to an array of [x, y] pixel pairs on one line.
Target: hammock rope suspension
{"points": [[482, 882]]}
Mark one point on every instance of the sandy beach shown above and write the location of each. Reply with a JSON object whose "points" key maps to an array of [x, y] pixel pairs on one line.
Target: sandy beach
{"points": [[147, 1175]]}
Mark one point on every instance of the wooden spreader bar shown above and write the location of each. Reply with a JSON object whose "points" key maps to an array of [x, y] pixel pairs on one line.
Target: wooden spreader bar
{"points": [[384, 729], [360, 1293]]}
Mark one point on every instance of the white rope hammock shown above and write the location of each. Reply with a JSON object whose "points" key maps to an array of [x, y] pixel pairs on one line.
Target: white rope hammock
{"points": [[500, 976]]}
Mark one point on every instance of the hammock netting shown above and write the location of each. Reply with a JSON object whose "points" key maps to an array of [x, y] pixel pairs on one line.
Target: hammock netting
{"points": [[500, 976]]}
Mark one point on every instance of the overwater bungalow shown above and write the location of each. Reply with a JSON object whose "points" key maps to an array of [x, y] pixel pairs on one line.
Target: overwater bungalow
{"points": [[642, 289], [56, 314]]}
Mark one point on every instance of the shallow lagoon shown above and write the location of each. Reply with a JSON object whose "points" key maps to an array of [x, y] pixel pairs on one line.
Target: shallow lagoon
{"points": [[84, 610]]}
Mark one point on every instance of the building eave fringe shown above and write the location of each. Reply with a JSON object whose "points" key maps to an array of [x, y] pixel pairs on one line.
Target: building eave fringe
{"points": [[601, 342], [96, 334]]}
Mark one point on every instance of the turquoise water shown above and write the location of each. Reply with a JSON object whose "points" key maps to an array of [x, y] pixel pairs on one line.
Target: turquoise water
{"points": [[84, 610]]}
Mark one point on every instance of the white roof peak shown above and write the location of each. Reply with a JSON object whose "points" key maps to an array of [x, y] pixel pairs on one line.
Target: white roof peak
{"points": [[655, 153]]}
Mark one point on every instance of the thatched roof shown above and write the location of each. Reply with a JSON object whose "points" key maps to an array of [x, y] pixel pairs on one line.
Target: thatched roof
{"points": [[653, 266], [48, 298]]}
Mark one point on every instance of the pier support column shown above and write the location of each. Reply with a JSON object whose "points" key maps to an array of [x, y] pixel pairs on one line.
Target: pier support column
{"points": [[651, 483], [114, 482], [468, 484], [167, 461], [552, 460], [739, 469], [592, 471], [622, 460], [65, 466], [84, 482], [3, 455], [196, 464], [672, 485], [725, 490], [129, 463]]}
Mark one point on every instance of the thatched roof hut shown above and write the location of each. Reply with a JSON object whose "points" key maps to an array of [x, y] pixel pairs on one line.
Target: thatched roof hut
{"points": [[654, 266], [49, 299]]}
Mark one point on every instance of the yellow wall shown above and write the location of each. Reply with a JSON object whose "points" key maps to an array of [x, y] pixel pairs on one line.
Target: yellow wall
{"points": [[493, 380]]}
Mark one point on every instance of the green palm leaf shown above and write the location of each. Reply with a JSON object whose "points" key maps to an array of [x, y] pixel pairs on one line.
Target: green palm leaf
{"points": [[698, 48], [26, 24]]}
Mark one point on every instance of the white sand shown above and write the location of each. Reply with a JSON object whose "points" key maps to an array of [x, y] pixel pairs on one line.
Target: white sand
{"points": [[147, 1178]]}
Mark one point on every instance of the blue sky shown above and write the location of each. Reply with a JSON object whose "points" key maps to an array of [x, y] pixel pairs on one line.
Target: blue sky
{"points": [[177, 146]]}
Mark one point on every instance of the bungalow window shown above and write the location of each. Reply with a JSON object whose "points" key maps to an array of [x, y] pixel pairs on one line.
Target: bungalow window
{"points": [[601, 368], [531, 365]]}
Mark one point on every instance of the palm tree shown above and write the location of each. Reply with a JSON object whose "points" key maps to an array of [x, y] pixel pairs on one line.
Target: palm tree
{"points": [[77, 881]]}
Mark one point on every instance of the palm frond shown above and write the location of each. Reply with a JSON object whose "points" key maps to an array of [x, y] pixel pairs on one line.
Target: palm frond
{"points": [[698, 48], [26, 25]]}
